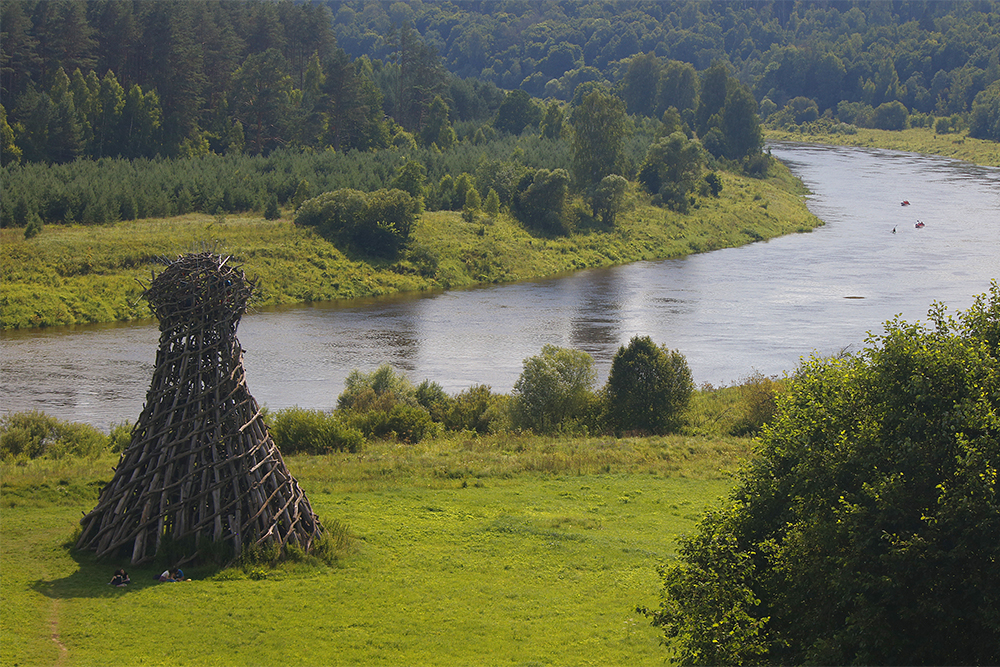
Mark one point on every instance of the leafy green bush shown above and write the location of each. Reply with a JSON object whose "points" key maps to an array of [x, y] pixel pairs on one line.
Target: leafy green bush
{"points": [[433, 398], [384, 404], [554, 386], [403, 422], [376, 223], [864, 529], [120, 437], [758, 396], [299, 431], [609, 197], [31, 435], [380, 389], [474, 409], [890, 116], [648, 388], [542, 204], [671, 169]]}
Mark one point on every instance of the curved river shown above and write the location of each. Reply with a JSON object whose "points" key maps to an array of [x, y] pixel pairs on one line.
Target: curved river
{"points": [[759, 308]]}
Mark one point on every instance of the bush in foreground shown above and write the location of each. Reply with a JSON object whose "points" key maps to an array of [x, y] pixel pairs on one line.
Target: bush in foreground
{"points": [[31, 435], [864, 531], [300, 431]]}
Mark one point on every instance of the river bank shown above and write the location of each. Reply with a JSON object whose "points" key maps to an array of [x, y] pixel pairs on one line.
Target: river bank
{"points": [[957, 145], [89, 274]]}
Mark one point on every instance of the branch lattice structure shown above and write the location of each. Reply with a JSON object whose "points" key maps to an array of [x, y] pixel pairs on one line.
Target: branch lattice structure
{"points": [[201, 465]]}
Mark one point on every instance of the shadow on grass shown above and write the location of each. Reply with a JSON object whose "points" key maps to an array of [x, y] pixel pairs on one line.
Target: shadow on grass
{"points": [[90, 580]]}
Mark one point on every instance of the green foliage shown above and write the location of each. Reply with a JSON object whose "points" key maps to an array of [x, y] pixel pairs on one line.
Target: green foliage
{"points": [[740, 124], [120, 437], [271, 211], [542, 205], [890, 116], [472, 205], [403, 422], [433, 398], [517, 112], [864, 529], [758, 404], [554, 388], [702, 603], [31, 435], [491, 207], [384, 404], [609, 198], [380, 389], [551, 126], [437, 127], [411, 179], [648, 388], [714, 183], [671, 170], [33, 227], [599, 129], [376, 223], [299, 431], [984, 121], [476, 409]]}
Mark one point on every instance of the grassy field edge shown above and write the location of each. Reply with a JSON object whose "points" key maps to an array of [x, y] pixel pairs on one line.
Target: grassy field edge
{"points": [[87, 274], [925, 140]]}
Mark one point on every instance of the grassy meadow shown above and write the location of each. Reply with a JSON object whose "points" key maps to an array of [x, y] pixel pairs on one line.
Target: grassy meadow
{"points": [[73, 274], [503, 549], [914, 140]]}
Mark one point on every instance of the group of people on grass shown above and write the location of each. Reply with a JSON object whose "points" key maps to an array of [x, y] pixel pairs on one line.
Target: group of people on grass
{"points": [[121, 578]]}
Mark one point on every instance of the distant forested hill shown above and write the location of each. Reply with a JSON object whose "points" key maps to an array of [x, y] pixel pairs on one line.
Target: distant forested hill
{"points": [[174, 78], [932, 56], [850, 57]]}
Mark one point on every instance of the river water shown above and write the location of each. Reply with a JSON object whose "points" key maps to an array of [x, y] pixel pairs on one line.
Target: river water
{"points": [[759, 308]]}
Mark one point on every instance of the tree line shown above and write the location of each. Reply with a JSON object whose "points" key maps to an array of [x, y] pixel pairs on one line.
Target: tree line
{"points": [[931, 57], [175, 78]]}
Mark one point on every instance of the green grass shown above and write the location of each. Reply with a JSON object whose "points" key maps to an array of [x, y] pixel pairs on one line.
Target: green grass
{"points": [[914, 140], [496, 550], [76, 274]]}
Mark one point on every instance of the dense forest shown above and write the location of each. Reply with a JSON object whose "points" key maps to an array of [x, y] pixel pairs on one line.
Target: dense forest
{"points": [[651, 92], [178, 78]]}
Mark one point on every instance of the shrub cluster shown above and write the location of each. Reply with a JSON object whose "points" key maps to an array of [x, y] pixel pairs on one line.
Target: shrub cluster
{"points": [[32, 435], [374, 223], [110, 189], [649, 392]]}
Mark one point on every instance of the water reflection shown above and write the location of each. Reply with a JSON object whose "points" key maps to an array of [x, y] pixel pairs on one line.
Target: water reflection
{"points": [[730, 312]]}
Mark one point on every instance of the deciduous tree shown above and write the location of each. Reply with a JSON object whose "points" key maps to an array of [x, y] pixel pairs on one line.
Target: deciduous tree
{"points": [[864, 529], [554, 386], [648, 388], [599, 128]]}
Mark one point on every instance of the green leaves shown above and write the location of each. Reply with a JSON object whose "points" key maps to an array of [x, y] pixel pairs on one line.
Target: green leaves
{"points": [[870, 513], [648, 388], [554, 387], [377, 223]]}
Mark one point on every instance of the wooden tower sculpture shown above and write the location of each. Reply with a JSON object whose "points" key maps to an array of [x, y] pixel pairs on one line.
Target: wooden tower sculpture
{"points": [[201, 464]]}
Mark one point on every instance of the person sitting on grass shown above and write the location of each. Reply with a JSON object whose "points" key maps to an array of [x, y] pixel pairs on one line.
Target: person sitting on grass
{"points": [[120, 579], [174, 574]]}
